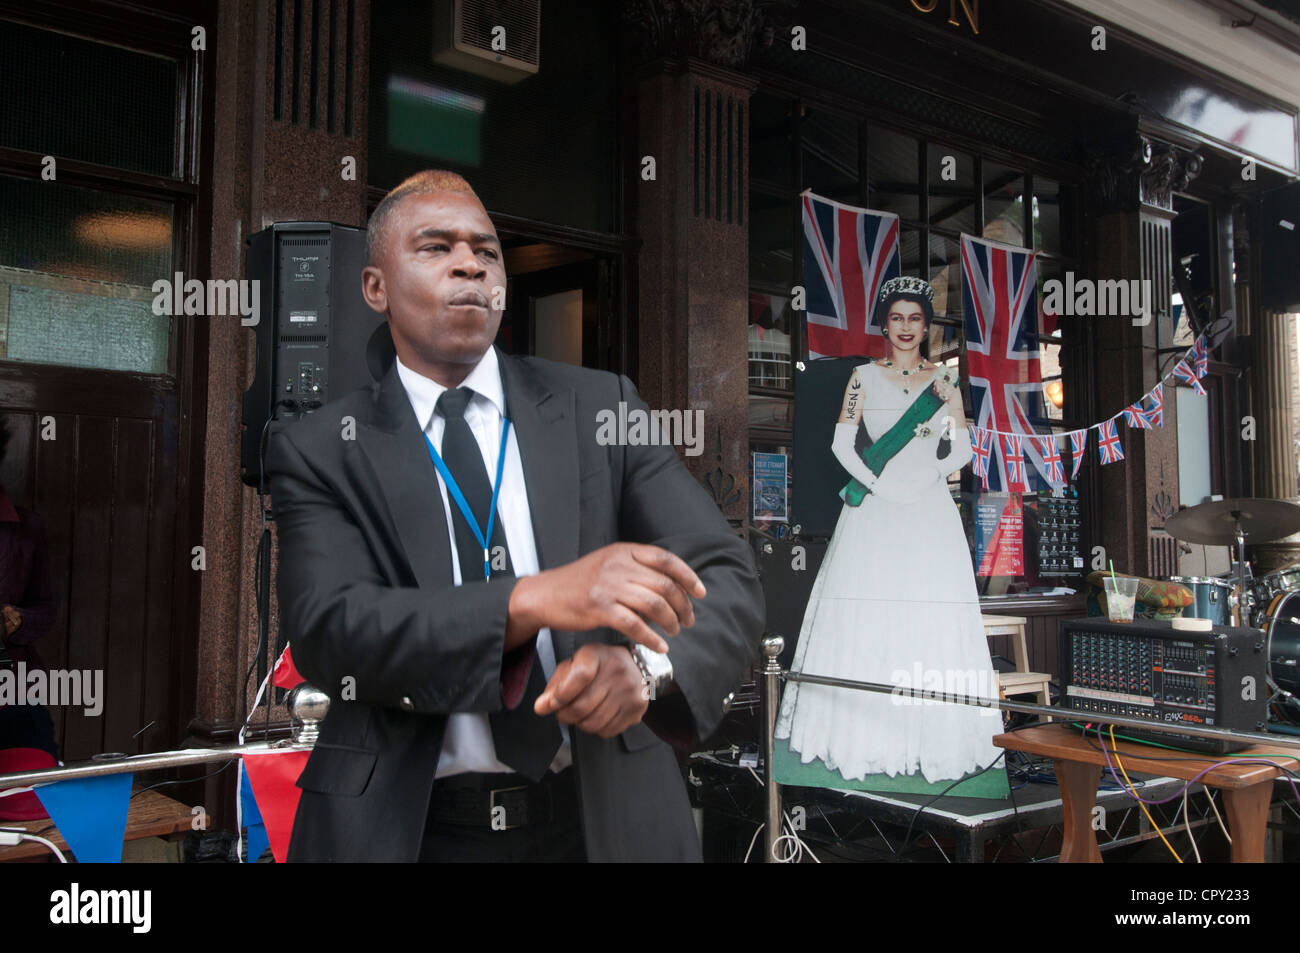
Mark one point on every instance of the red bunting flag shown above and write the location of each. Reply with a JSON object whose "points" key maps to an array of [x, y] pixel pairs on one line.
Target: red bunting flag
{"points": [[274, 780], [285, 674]]}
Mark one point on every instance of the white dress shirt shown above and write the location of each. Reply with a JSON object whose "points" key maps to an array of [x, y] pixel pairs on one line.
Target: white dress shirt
{"points": [[467, 745]]}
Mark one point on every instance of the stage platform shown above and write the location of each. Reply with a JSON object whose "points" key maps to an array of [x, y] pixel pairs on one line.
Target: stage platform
{"points": [[882, 827]]}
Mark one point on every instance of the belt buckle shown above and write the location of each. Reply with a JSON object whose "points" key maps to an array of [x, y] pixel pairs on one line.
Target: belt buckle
{"points": [[492, 808]]}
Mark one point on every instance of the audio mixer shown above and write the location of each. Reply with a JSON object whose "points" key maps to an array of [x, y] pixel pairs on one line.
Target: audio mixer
{"points": [[1149, 670]]}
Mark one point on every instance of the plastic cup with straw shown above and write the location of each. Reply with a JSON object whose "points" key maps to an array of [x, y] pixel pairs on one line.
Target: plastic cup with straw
{"points": [[1121, 594]]}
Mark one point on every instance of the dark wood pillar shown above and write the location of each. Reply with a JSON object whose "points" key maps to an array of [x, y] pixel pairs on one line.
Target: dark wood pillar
{"points": [[694, 263], [1131, 191]]}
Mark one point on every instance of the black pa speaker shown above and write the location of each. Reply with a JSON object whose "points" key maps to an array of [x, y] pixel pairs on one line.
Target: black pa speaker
{"points": [[317, 339]]}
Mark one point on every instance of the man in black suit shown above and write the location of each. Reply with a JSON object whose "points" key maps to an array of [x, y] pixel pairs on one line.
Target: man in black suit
{"points": [[495, 671]]}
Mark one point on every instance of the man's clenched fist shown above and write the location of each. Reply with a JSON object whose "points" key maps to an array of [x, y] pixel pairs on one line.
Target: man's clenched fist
{"points": [[600, 690]]}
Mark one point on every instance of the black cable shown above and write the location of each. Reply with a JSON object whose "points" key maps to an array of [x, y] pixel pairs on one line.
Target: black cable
{"points": [[921, 807], [210, 774], [261, 565]]}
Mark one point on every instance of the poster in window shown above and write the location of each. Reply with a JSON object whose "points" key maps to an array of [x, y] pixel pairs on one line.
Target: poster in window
{"points": [[999, 535], [770, 487]]}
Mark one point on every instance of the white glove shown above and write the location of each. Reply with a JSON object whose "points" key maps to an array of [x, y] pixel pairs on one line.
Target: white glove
{"points": [[958, 456], [842, 447]]}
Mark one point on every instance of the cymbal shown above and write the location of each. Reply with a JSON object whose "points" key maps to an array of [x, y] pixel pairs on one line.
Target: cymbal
{"points": [[1215, 523]]}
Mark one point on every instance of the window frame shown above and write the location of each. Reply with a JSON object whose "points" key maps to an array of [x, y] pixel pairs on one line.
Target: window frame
{"points": [[1077, 357]]}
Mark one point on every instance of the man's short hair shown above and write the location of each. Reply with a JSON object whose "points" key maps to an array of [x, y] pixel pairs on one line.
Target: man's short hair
{"points": [[422, 183]]}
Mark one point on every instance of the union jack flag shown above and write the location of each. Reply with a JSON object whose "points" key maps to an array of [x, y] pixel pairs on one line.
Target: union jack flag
{"points": [[1183, 371], [1014, 453], [848, 253], [1051, 454], [1078, 445], [1000, 304], [1154, 415], [1202, 357], [1134, 418], [1108, 442], [982, 452]]}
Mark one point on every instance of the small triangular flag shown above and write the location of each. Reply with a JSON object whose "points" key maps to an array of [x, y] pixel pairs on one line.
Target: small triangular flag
{"points": [[90, 814], [274, 781]]}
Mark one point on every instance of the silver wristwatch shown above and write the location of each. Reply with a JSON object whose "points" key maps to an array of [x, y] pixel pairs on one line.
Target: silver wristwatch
{"points": [[655, 668]]}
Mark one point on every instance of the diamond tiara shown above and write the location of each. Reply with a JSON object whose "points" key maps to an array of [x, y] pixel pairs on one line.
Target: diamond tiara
{"points": [[911, 286]]}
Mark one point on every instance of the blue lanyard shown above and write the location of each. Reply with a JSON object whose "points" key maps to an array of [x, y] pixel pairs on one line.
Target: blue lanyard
{"points": [[454, 489]]}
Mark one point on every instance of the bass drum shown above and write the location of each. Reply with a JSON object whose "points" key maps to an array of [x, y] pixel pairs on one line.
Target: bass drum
{"points": [[1282, 623]]}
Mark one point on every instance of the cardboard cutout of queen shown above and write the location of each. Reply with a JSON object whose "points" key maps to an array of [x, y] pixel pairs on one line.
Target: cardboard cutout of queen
{"points": [[895, 601]]}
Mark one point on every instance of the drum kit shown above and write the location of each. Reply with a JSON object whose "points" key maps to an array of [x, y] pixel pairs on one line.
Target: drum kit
{"points": [[1270, 602]]}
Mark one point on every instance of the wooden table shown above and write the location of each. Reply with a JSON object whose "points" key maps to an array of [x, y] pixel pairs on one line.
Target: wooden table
{"points": [[150, 814], [1247, 788]]}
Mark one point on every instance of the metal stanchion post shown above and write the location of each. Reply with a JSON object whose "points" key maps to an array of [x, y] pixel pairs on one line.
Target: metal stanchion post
{"points": [[773, 645]]}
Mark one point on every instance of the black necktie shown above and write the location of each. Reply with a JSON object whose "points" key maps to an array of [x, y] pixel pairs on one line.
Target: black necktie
{"points": [[524, 741]]}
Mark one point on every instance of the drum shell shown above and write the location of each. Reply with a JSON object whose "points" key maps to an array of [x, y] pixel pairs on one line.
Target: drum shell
{"points": [[1282, 623], [1275, 583], [1211, 597]]}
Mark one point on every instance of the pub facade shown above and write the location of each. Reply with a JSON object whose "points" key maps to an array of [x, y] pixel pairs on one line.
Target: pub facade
{"points": [[644, 164]]}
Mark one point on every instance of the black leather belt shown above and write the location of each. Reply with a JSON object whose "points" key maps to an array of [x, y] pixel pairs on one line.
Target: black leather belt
{"points": [[503, 801]]}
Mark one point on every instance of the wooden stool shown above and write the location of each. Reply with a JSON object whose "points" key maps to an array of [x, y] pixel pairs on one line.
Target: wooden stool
{"points": [[1021, 681]]}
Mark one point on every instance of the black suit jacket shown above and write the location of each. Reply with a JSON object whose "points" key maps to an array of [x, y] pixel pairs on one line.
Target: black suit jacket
{"points": [[367, 602]]}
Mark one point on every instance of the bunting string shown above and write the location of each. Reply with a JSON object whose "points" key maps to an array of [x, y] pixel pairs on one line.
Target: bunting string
{"points": [[1147, 413]]}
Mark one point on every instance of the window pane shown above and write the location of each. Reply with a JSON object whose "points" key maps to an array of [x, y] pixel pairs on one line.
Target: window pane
{"points": [[1004, 204], [1054, 395], [769, 140], [945, 278], [892, 167], [76, 273], [58, 100], [1194, 466], [771, 224], [909, 247], [1047, 214], [769, 341], [945, 275], [951, 176], [830, 155], [773, 413]]}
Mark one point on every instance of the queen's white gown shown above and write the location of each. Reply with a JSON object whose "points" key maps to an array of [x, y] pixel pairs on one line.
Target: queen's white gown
{"points": [[895, 602]]}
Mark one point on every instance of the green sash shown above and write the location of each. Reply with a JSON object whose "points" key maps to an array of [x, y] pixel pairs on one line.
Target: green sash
{"points": [[894, 440]]}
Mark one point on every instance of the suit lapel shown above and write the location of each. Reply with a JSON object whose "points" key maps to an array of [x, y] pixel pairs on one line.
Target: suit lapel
{"points": [[395, 445], [545, 427]]}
